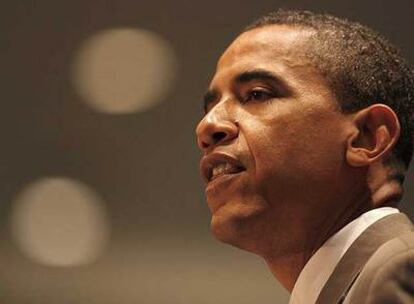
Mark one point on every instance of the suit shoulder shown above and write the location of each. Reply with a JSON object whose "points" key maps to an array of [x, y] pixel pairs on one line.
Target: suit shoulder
{"points": [[390, 251], [388, 276]]}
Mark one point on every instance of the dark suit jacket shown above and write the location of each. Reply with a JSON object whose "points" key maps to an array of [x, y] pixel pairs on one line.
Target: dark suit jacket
{"points": [[377, 268]]}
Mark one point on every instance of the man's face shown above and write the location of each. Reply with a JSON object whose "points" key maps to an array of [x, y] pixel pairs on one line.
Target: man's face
{"points": [[273, 142]]}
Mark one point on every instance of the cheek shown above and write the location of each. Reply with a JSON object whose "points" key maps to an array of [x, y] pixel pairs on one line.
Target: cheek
{"points": [[296, 155]]}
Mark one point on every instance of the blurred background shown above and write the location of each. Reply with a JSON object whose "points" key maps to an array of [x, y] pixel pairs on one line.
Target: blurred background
{"points": [[101, 200]]}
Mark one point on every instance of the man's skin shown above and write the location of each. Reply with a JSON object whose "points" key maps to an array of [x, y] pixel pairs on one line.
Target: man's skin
{"points": [[300, 168]]}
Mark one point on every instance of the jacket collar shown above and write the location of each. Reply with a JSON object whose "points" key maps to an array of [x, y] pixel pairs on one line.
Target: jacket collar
{"points": [[358, 254]]}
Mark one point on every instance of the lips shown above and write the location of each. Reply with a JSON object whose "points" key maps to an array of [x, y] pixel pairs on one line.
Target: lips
{"points": [[216, 165]]}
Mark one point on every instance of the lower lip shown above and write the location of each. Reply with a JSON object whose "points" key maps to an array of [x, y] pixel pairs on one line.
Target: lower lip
{"points": [[217, 187], [220, 183]]}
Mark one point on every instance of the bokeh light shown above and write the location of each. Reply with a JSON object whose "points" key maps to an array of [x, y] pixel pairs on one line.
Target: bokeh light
{"points": [[124, 70], [58, 221]]}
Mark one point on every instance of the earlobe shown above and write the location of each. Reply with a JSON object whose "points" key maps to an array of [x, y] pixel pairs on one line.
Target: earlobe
{"points": [[376, 130]]}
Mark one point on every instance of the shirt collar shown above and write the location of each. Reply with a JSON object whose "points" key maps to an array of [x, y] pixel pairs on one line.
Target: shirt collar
{"points": [[321, 265]]}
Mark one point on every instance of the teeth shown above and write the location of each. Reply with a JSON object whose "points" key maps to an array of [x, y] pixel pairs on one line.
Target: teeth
{"points": [[224, 168]]}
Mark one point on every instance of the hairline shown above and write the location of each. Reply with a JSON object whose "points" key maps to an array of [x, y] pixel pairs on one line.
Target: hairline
{"points": [[312, 48]]}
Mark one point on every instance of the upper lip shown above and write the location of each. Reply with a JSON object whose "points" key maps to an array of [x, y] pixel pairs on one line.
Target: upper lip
{"points": [[208, 162]]}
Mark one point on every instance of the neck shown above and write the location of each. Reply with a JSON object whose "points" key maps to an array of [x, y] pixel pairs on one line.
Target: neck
{"points": [[377, 192], [287, 267], [320, 227]]}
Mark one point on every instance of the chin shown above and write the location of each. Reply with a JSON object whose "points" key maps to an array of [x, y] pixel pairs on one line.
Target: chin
{"points": [[235, 228]]}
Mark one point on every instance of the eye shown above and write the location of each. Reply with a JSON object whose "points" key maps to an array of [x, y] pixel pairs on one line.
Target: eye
{"points": [[258, 95]]}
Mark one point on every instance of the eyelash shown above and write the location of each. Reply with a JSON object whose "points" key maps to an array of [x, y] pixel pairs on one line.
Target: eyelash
{"points": [[264, 95]]}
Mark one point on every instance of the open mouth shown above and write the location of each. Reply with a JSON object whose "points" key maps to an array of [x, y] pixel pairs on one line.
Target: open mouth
{"points": [[224, 168], [217, 165]]}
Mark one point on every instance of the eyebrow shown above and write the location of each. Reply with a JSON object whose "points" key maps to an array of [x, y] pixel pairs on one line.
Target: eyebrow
{"points": [[245, 77], [257, 74]]}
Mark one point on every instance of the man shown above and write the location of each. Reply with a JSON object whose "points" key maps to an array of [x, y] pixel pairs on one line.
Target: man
{"points": [[306, 138]]}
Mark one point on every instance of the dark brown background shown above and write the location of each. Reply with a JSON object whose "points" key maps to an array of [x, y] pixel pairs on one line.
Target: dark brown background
{"points": [[144, 165]]}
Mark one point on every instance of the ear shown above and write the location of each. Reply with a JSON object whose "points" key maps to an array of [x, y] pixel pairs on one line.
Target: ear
{"points": [[376, 131]]}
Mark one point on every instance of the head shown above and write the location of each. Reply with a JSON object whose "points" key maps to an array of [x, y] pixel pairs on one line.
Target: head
{"points": [[304, 114], [362, 68]]}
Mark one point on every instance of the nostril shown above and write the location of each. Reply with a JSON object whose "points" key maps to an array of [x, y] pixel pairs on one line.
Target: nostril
{"points": [[218, 136], [204, 145], [210, 134]]}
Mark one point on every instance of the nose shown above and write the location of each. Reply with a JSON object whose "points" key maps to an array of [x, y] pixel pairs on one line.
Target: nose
{"points": [[216, 128]]}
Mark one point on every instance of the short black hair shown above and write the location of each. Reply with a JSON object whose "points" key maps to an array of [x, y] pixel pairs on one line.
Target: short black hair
{"points": [[360, 65]]}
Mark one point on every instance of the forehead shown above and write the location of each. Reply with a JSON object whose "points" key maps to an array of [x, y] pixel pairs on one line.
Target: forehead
{"points": [[280, 48], [279, 38]]}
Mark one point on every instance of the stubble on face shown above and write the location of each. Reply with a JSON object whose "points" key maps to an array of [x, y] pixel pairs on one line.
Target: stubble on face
{"points": [[291, 144]]}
